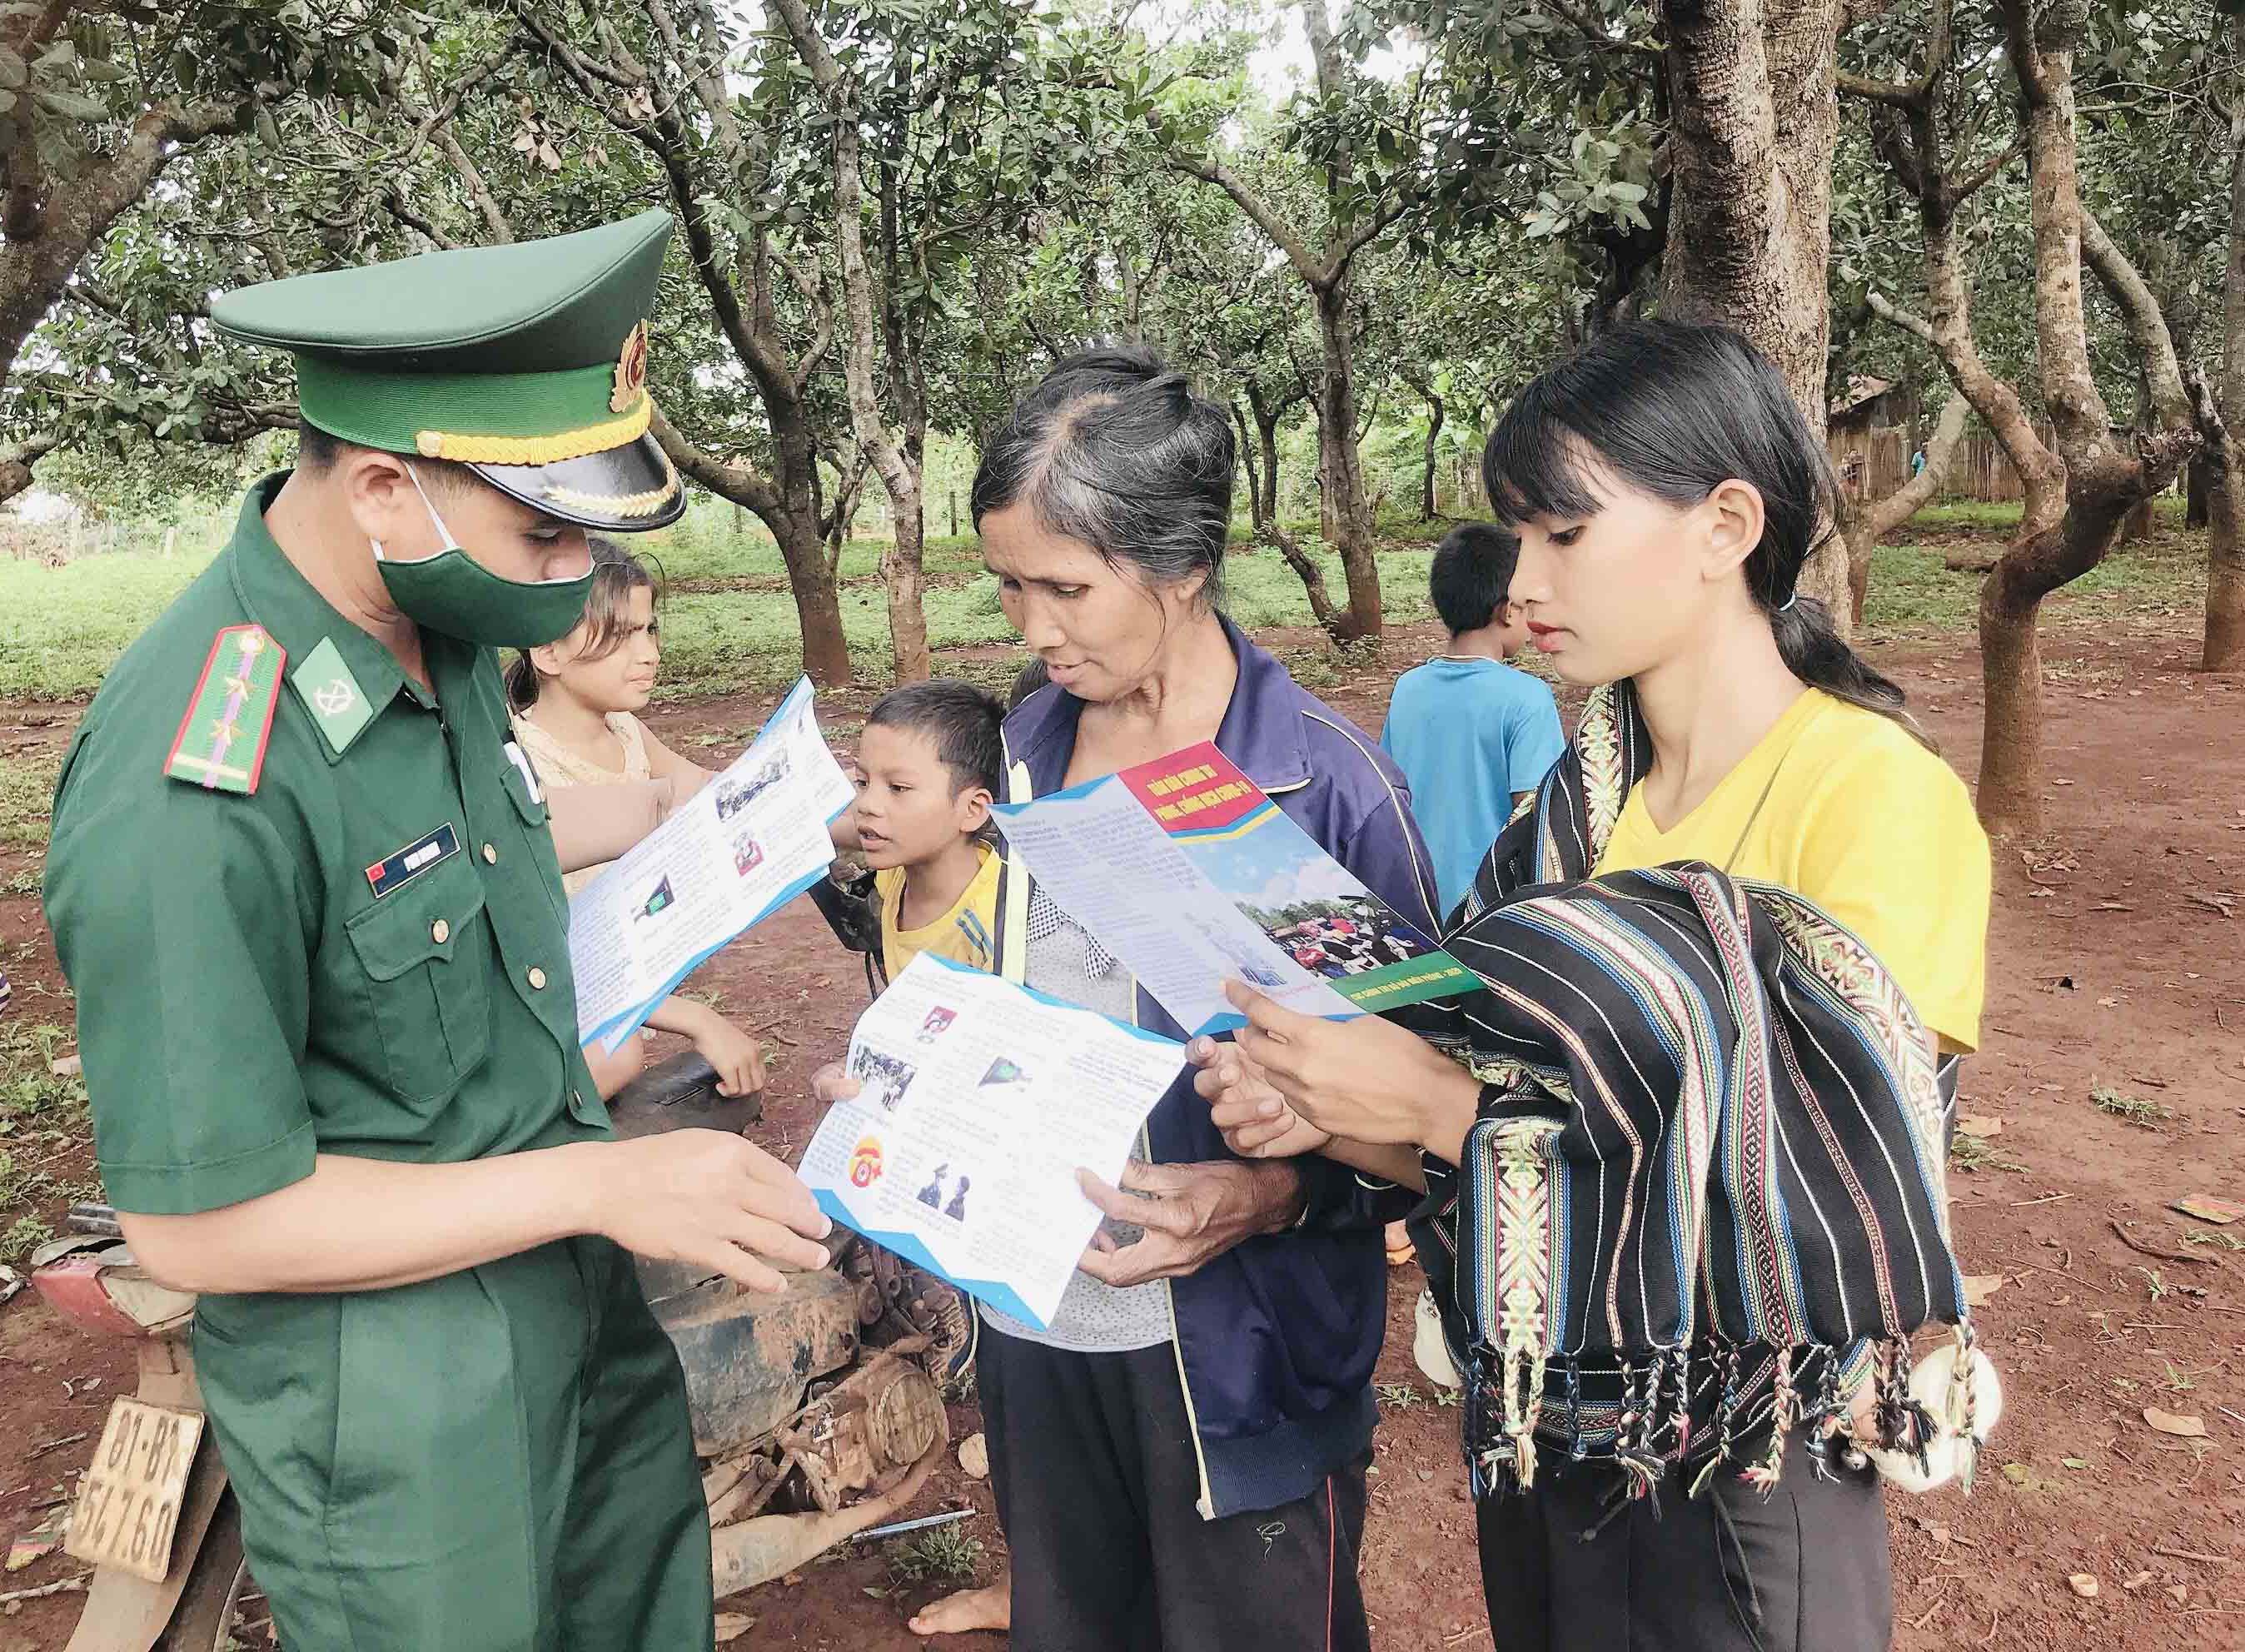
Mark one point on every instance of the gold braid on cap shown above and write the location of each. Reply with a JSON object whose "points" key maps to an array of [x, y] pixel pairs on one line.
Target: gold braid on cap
{"points": [[626, 505], [537, 450]]}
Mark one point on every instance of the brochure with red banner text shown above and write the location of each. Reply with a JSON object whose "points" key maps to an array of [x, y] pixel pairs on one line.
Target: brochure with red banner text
{"points": [[1184, 870]]}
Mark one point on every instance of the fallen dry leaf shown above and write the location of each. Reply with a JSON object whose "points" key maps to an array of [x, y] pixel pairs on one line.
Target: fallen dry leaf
{"points": [[68, 1067], [2169, 1422], [732, 1626], [1979, 1287], [38, 1543], [1979, 1124], [2137, 1582], [2179, 1592], [2207, 1207], [2084, 1585], [974, 1456]]}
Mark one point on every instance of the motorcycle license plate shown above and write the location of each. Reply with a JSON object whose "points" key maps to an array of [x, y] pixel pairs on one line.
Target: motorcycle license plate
{"points": [[128, 1505]]}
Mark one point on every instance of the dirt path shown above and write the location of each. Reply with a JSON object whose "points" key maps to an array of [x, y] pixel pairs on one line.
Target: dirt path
{"points": [[2113, 963]]}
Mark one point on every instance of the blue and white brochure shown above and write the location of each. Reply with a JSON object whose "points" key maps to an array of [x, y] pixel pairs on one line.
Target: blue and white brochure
{"points": [[740, 849], [979, 1101]]}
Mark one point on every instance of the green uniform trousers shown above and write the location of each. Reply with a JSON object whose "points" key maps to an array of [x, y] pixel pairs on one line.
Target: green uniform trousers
{"points": [[496, 1461]]}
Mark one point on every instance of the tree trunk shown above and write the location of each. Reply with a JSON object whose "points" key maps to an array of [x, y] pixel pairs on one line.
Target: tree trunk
{"points": [[2223, 489], [1429, 506], [1754, 124], [1862, 526], [2105, 480], [902, 564], [2011, 670], [2198, 477], [1342, 469], [2137, 525], [785, 504], [1247, 464], [1262, 506], [2225, 558], [817, 602]]}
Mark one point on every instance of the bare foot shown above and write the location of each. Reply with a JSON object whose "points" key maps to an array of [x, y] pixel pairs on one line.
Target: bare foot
{"points": [[968, 1610]]}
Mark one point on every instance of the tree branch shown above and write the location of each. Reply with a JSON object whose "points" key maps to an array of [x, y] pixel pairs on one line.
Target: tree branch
{"points": [[394, 199], [1892, 313], [1317, 274], [1963, 189], [1894, 93], [1589, 30], [738, 483], [16, 460], [1885, 515], [2146, 324]]}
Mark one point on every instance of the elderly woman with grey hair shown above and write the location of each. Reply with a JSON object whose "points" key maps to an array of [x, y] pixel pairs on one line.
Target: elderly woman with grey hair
{"points": [[1180, 1458]]}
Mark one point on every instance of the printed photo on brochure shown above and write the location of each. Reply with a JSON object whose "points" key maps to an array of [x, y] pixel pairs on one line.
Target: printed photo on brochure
{"points": [[743, 846], [1187, 872], [980, 1101]]}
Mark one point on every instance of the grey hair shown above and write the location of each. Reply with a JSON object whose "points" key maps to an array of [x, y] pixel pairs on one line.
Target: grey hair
{"points": [[1113, 450]]}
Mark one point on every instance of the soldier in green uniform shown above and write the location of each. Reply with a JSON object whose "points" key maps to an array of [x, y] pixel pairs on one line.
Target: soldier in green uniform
{"points": [[307, 893]]}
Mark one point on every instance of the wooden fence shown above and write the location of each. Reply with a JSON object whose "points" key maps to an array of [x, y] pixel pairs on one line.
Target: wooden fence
{"points": [[1873, 463]]}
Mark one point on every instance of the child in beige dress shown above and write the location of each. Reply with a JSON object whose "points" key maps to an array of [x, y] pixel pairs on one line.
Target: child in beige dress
{"points": [[574, 703]]}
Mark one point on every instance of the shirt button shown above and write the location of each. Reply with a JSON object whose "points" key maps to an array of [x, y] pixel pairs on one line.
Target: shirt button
{"points": [[490, 856], [440, 931], [537, 979]]}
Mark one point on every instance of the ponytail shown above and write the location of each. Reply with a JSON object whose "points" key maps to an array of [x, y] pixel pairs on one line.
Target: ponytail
{"points": [[1813, 651], [521, 683]]}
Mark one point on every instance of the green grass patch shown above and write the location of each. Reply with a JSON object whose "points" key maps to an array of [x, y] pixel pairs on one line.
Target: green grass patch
{"points": [[718, 642], [2000, 514], [2134, 1110], [27, 788], [945, 1554], [736, 628], [62, 628], [1971, 1153], [1913, 594], [41, 1118]]}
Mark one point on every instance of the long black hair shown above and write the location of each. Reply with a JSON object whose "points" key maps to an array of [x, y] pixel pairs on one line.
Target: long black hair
{"points": [[1675, 409], [1113, 449]]}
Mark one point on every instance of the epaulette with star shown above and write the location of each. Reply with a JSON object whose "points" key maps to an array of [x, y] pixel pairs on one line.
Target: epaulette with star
{"points": [[221, 741]]}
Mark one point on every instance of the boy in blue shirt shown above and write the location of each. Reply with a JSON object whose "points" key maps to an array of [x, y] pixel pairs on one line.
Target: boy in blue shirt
{"points": [[1470, 733]]}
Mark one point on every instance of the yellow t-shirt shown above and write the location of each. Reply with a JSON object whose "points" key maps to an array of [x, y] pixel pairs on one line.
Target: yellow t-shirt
{"points": [[964, 934], [1869, 825]]}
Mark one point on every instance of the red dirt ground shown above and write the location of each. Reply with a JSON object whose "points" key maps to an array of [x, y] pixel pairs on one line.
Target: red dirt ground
{"points": [[2113, 962]]}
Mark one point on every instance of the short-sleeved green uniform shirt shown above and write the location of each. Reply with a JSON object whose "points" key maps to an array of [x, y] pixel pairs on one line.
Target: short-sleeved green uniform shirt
{"points": [[366, 954], [252, 986]]}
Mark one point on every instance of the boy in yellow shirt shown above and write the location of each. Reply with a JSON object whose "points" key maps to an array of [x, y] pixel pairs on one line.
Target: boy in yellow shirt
{"points": [[931, 762]]}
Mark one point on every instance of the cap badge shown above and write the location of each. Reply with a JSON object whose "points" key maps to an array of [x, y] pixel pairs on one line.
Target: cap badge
{"points": [[631, 371]]}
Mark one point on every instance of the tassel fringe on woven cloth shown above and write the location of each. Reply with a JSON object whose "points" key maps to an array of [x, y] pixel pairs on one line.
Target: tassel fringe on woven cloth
{"points": [[1522, 1406]]}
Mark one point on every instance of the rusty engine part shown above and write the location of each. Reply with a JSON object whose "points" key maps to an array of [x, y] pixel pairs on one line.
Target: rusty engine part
{"points": [[880, 1420], [819, 1411], [749, 1358], [898, 1300]]}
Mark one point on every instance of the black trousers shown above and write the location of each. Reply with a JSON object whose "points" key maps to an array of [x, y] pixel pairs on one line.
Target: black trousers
{"points": [[1093, 1463], [1804, 1569]]}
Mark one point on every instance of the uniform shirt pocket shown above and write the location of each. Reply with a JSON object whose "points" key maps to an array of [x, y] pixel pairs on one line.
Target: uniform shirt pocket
{"points": [[426, 956]]}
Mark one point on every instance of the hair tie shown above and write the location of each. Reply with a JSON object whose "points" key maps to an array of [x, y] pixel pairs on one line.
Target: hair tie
{"points": [[1786, 605]]}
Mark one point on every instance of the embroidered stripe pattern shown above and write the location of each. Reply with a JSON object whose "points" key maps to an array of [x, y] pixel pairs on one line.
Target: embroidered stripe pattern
{"points": [[1708, 1194]]}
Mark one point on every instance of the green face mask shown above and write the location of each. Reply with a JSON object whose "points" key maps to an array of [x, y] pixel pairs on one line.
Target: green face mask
{"points": [[454, 593]]}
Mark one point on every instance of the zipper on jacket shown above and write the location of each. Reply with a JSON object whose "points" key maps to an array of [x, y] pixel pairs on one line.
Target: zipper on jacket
{"points": [[1013, 965]]}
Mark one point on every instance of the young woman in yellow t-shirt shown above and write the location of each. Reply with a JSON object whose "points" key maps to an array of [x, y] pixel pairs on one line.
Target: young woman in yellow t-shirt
{"points": [[1668, 495]]}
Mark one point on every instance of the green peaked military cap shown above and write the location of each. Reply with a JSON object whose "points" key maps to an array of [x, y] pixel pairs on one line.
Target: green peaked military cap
{"points": [[528, 363]]}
